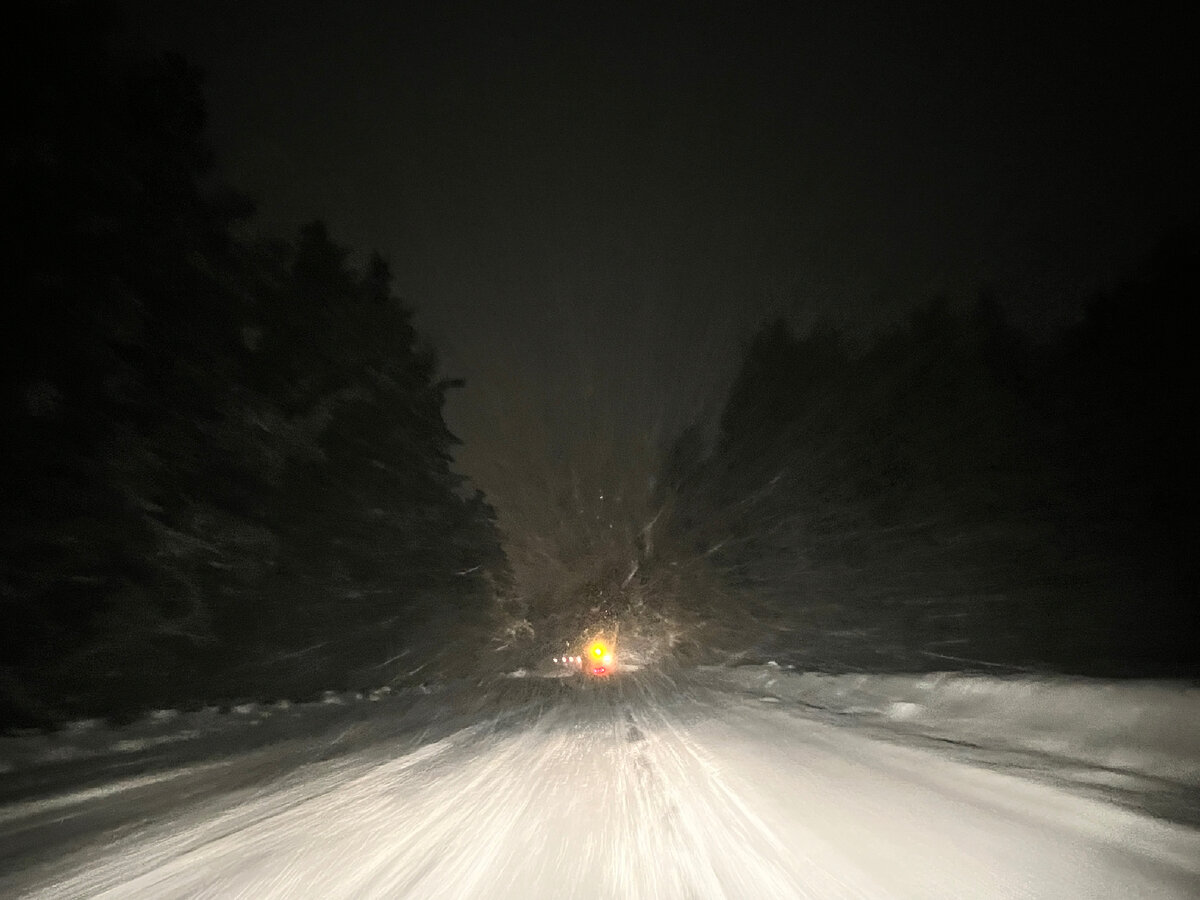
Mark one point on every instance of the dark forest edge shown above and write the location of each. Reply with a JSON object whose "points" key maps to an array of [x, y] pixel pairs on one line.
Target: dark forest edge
{"points": [[227, 472], [956, 496]]}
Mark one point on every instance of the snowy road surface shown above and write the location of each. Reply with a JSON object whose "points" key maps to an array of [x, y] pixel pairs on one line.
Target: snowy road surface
{"points": [[638, 788]]}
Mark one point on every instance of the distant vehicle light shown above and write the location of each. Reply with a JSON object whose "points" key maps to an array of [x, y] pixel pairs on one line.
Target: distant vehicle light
{"points": [[599, 670], [607, 658]]}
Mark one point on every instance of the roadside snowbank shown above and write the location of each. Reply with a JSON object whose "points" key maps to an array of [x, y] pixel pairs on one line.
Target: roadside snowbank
{"points": [[1150, 727], [89, 739]]}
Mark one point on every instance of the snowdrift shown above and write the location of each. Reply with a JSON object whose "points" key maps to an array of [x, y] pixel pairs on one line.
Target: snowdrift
{"points": [[1143, 727]]}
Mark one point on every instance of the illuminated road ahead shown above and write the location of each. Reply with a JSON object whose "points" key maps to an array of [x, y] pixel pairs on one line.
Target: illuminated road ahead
{"points": [[634, 788]]}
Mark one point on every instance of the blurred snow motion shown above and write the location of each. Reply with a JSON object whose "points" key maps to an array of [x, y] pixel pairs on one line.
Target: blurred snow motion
{"points": [[660, 786]]}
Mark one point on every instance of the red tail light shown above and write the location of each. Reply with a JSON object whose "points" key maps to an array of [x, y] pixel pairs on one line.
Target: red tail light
{"points": [[599, 670]]}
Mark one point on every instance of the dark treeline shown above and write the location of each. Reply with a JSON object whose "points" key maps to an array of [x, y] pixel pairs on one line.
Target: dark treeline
{"points": [[226, 469], [956, 493]]}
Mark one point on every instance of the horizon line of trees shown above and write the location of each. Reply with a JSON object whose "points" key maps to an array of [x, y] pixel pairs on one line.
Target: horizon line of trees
{"points": [[227, 471], [957, 495]]}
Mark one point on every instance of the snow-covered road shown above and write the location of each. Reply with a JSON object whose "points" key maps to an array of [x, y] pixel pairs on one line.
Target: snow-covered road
{"points": [[640, 787]]}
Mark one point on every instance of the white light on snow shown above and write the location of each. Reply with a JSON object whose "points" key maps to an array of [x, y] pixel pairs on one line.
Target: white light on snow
{"points": [[454, 818]]}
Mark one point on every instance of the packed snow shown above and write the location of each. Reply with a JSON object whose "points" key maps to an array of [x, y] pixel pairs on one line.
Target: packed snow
{"points": [[747, 782]]}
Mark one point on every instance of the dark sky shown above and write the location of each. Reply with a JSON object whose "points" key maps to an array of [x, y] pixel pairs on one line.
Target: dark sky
{"points": [[592, 205]]}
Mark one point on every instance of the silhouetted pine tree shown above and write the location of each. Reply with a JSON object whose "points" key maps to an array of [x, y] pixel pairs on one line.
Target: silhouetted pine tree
{"points": [[953, 491], [218, 455]]}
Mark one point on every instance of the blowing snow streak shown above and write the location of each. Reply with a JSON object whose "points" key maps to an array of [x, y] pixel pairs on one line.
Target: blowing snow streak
{"points": [[641, 787]]}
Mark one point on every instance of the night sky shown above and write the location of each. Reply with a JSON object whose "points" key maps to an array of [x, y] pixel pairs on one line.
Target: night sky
{"points": [[593, 206]]}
